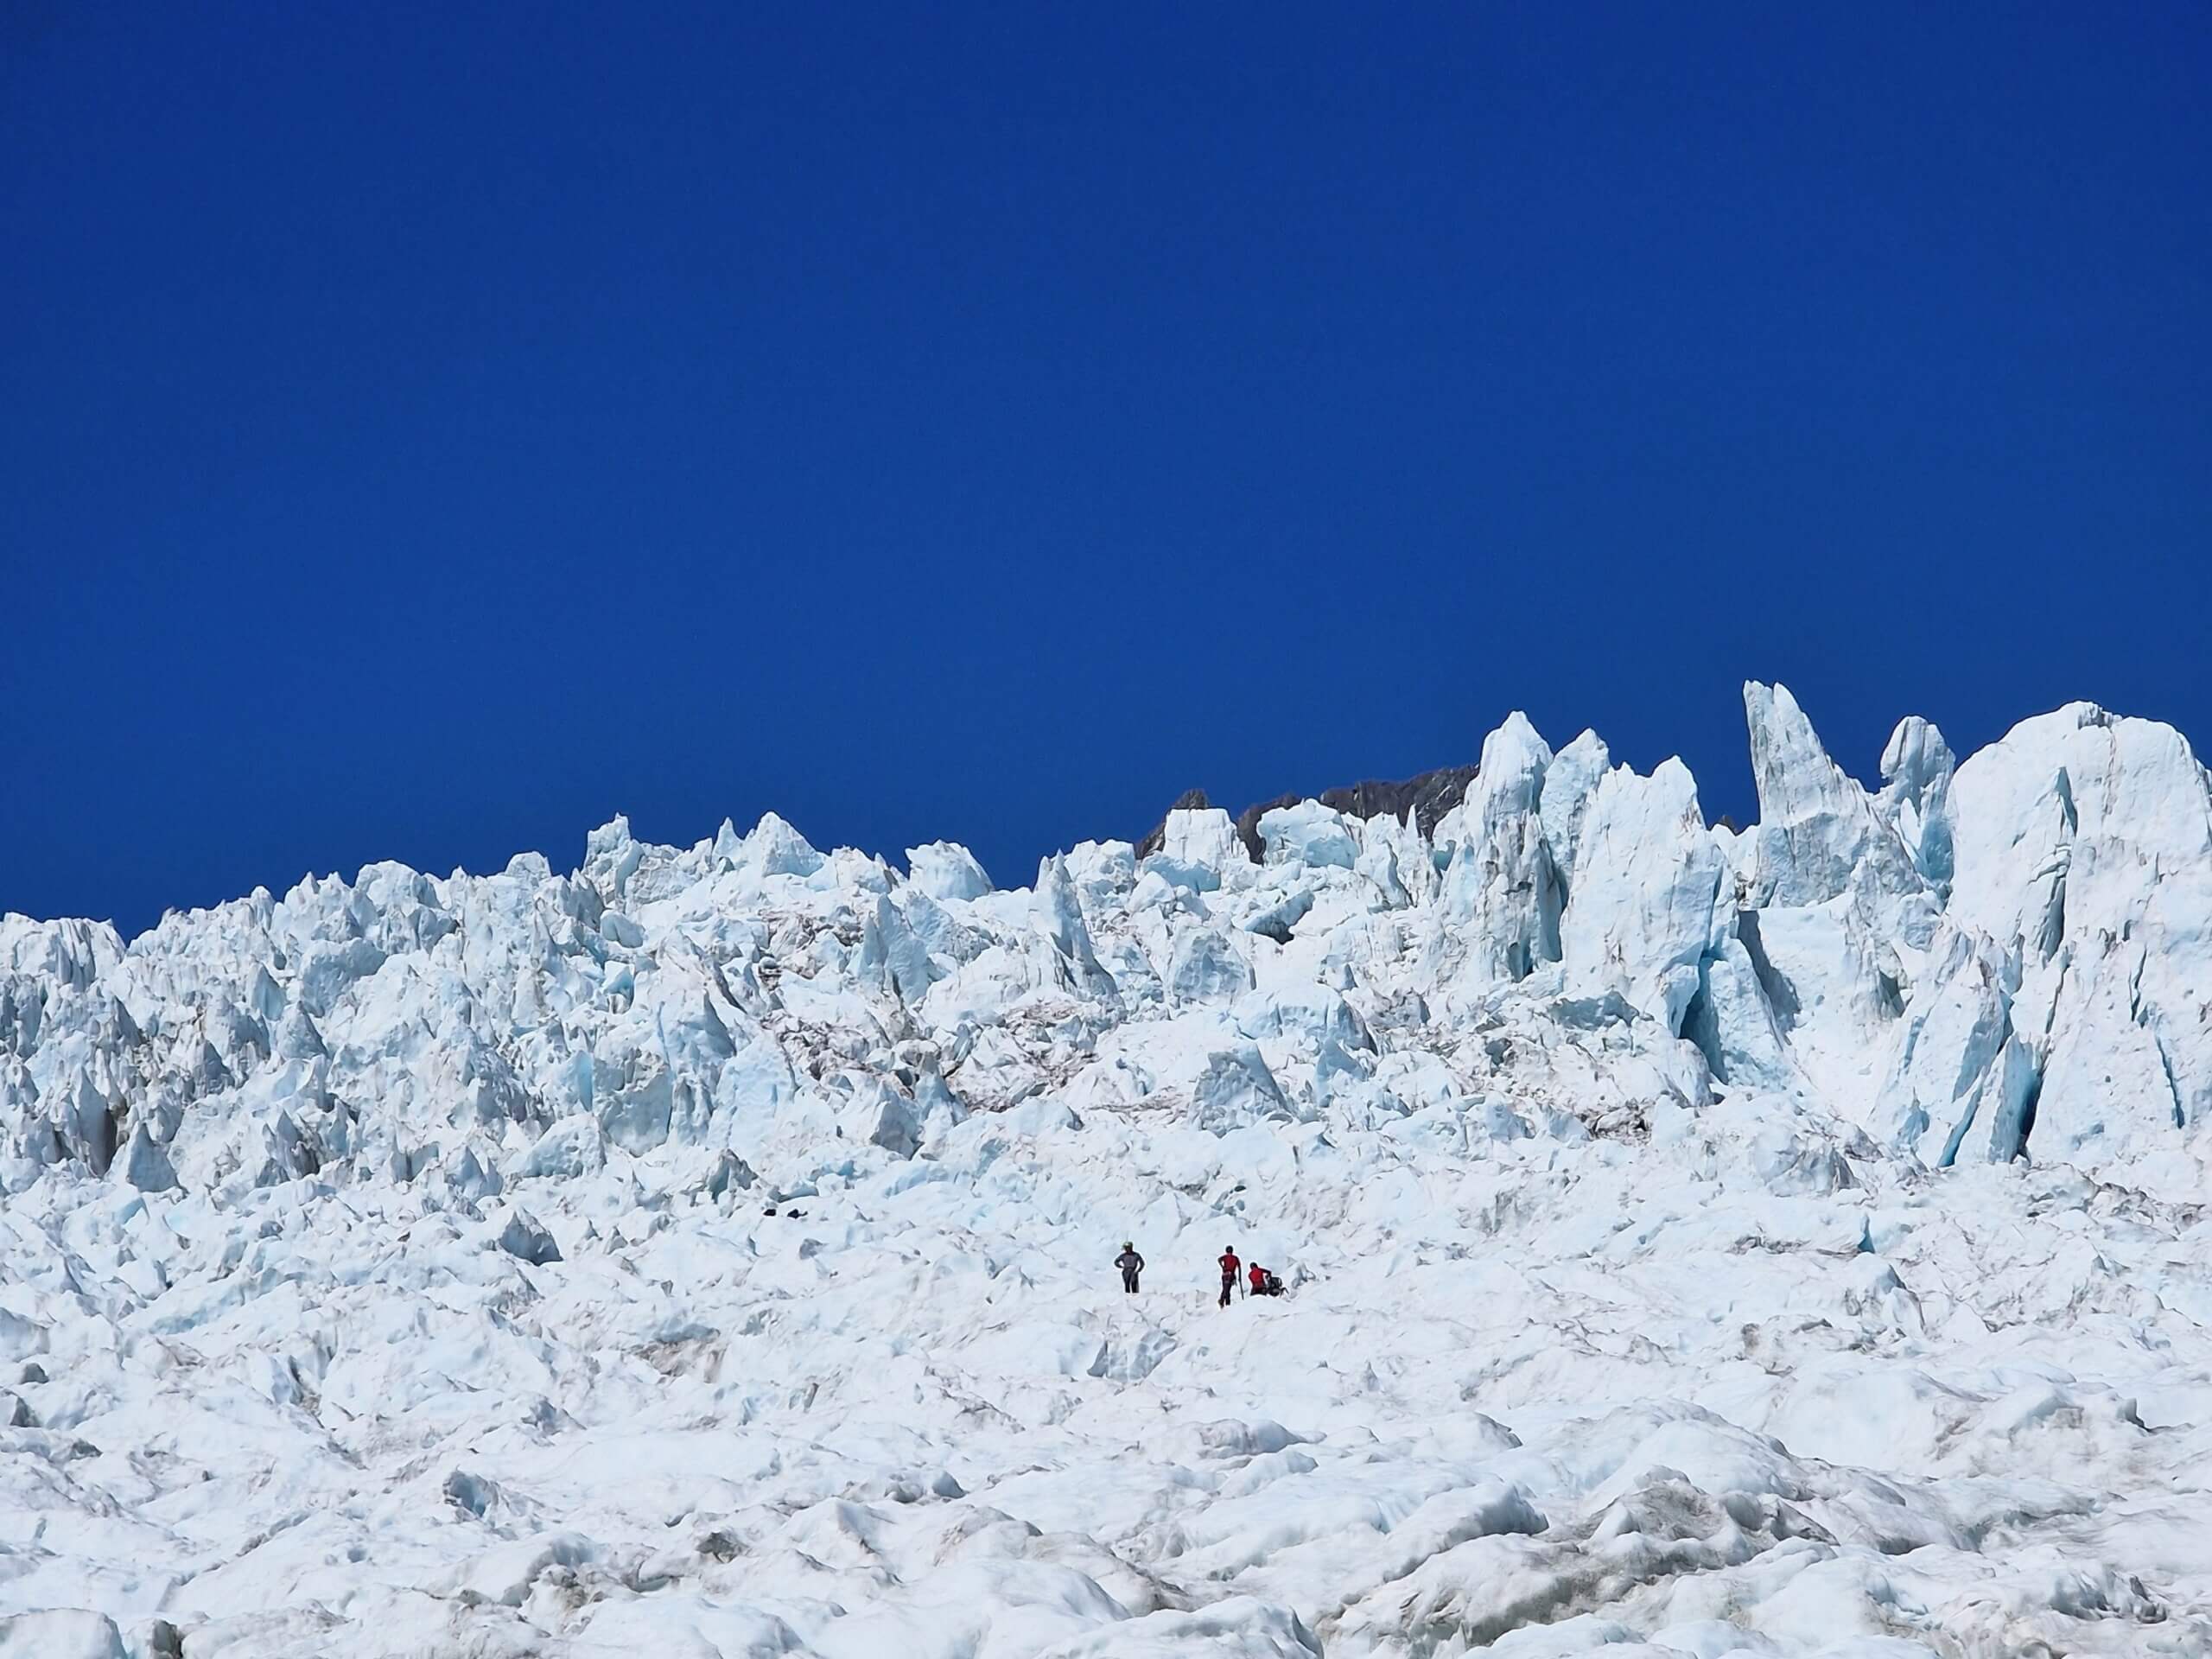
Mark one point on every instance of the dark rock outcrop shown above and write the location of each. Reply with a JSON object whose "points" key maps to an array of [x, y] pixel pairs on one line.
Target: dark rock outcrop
{"points": [[1427, 796]]}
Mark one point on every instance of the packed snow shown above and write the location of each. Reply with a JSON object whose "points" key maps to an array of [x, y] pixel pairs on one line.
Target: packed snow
{"points": [[1788, 1242]]}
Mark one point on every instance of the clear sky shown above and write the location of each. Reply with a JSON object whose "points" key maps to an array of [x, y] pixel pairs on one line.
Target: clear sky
{"points": [[426, 431]]}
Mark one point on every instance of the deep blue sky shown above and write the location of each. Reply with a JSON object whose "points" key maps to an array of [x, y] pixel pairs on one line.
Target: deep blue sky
{"points": [[427, 431]]}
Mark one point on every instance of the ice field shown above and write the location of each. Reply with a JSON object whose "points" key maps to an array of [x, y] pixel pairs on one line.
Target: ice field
{"points": [[1789, 1241]]}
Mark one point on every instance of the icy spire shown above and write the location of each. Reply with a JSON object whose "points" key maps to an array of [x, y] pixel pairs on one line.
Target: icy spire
{"points": [[1501, 882], [1817, 830]]}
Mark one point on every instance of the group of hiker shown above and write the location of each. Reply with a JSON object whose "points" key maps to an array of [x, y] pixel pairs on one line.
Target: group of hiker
{"points": [[1255, 1281]]}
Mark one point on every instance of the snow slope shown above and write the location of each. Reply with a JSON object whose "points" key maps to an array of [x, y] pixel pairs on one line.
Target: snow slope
{"points": [[1782, 1243]]}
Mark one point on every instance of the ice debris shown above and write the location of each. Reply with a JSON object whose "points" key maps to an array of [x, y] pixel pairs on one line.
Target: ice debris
{"points": [[1782, 1242]]}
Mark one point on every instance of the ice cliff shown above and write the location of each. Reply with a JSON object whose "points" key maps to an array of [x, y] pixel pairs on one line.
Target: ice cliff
{"points": [[1982, 961], [427, 1222]]}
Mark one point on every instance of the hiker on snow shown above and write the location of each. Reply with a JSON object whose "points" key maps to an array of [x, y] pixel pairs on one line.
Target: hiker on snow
{"points": [[1131, 1264], [1230, 1264], [1259, 1280]]}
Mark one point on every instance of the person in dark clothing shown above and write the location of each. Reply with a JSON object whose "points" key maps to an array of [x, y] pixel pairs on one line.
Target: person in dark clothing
{"points": [[1131, 1264], [1273, 1286], [1230, 1265]]}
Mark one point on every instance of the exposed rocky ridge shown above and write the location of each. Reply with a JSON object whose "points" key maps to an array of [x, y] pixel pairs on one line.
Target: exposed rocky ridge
{"points": [[1427, 796]]}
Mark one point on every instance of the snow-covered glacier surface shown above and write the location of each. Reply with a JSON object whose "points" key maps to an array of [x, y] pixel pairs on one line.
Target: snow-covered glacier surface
{"points": [[1699, 1243]]}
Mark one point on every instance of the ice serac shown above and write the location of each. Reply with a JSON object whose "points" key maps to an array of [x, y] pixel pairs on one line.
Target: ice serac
{"points": [[145, 1165], [1307, 833], [1732, 1023], [1104, 871], [2082, 849], [1833, 907], [775, 847], [1057, 912], [525, 1240], [1199, 849], [1394, 856], [893, 953], [71, 955], [946, 871], [1501, 886], [1647, 905], [1207, 967], [87, 1124], [880, 1116], [1570, 784], [1818, 833], [1939, 1079], [612, 856], [1233, 1089], [1916, 771]]}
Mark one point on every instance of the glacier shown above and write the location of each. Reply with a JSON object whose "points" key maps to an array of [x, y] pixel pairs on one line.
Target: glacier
{"points": [[1789, 1240]]}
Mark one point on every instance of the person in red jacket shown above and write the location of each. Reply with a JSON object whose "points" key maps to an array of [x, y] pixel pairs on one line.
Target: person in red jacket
{"points": [[1230, 1264], [1259, 1280]]}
